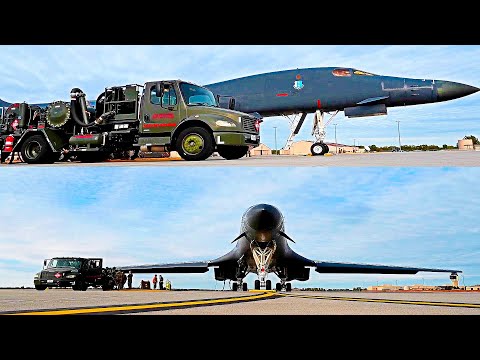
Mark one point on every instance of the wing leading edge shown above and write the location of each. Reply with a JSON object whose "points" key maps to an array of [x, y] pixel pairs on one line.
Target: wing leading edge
{"points": [[351, 268], [184, 267]]}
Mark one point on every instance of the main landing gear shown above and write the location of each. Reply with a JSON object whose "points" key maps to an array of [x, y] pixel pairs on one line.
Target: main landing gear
{"points": [[239, 284], [283, 285], [318, 131]]}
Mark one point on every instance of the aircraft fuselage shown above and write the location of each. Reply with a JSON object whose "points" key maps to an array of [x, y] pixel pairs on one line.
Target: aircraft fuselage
{"points": [[328, 89]]}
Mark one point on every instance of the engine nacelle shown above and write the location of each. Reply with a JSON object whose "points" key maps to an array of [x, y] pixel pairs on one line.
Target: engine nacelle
{"points": [[298, 273], [223, 273]]}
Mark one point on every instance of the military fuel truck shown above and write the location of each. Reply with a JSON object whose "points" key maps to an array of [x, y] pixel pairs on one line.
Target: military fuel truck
{"points": [[159, 116], [75, 272]]}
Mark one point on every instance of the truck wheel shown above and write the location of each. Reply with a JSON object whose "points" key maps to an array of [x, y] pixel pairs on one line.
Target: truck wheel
{"points": [[194, 144], [232, 152], [36, 150], [79, 285], [40, 287]]}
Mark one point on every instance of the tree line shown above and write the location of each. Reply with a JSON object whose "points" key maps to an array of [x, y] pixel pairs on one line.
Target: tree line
{"points": [[423, 147]]}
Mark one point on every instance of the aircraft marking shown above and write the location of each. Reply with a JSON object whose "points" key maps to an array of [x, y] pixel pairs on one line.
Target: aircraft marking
{"points": [[146, 307], [390, 301]]}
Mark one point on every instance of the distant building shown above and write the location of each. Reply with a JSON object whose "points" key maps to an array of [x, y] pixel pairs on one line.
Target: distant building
{"points": [[465, 144], [385, 287], [261, 149], [473, 288], [302, 147]]}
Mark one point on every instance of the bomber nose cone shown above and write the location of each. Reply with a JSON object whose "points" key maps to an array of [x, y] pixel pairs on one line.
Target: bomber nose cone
{"points": [[263, 217], [448, 90]]}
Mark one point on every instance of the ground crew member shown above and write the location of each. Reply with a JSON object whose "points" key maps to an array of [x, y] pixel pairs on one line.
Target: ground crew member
{"points": [[119, 279], [160, 282], [129, 279], [154, 281]]}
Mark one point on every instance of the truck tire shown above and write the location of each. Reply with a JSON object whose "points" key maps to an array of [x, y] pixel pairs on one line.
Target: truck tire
{"points": [[40, 287], [79, 285], [232, 152], [36, 150], [194, 144]]}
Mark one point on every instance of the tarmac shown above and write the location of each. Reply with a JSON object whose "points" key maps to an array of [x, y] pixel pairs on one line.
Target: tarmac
{"points": [[405, 159], [208, 302]]}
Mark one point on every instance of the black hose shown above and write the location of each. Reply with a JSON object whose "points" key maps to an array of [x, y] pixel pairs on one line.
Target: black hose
{"points": [[77, 96]]}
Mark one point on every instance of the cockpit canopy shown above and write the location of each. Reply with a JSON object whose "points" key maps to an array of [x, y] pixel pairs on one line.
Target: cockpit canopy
{"points": [[348, 72]]}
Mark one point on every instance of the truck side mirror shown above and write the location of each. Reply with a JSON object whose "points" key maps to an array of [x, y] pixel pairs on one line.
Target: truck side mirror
{"points": [[217, 97], [158, 90], [44, 262], [231, 104]]}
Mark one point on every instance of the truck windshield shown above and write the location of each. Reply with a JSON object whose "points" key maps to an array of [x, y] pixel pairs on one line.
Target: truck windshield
{"points": [[55, 263], [197, 95]]}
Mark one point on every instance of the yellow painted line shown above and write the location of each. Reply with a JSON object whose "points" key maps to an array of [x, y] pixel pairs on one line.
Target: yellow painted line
{"points": [[144, 307], [391, 301], [262, 291]]}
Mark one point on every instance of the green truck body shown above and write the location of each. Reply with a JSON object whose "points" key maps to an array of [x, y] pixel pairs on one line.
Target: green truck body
{"points": [[159, 116]]}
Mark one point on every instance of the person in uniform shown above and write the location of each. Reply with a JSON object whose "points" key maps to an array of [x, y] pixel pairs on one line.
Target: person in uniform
{"points": [[154, 281], [129, 279], [160, 282], [119, 279]]}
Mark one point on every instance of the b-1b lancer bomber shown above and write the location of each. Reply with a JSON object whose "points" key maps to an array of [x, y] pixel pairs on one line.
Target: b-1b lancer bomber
{"points": [[262, 248], [329, 90]]}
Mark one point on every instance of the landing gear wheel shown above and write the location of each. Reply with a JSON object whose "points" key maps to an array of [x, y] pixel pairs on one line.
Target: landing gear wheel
{"points": [[234, 286], [232, 152], [257, 284], [278, 287], [288, 287], [326, 149], [244, 286], [268, 285], [36, 150], [40, 287], [317, 149], [194, 144]]}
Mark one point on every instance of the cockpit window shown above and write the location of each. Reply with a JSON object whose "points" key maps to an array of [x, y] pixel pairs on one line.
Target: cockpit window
{"points": [[360, 72], [341, 72]]}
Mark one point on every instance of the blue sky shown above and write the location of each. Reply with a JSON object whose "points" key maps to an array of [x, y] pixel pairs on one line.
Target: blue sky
{"points": [[425, 217], [47, 73]]}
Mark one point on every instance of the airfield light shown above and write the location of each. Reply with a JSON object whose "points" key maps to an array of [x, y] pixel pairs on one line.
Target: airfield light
{"points": [[276, 151], [336, 144], [398, 127]]}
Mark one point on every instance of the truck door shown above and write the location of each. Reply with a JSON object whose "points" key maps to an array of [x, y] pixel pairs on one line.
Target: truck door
{"points": [[160, 110]]}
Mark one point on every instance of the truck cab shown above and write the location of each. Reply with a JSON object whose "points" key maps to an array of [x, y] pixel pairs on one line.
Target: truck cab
{"points": [[175, 115]]}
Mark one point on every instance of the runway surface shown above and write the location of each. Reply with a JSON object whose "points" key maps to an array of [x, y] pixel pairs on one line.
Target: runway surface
{"points": [[155, 302], [407, 159]]}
